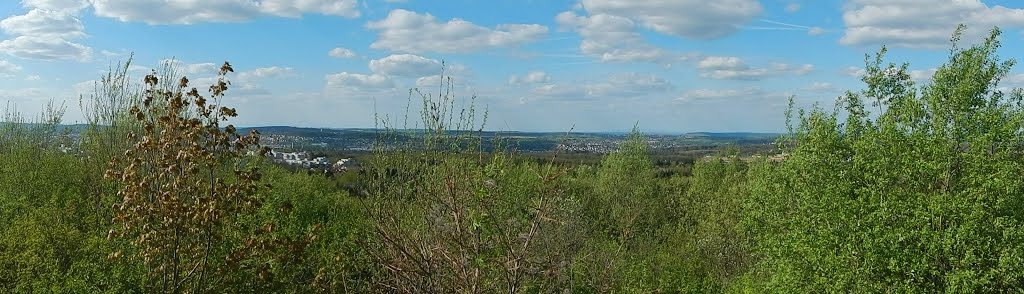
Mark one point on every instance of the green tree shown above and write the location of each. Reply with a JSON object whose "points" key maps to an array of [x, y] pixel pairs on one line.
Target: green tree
{"points": [[922, 195]]}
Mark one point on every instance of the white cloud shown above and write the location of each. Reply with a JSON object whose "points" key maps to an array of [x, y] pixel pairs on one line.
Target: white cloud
{"points": [[820, 87], [341, 53], [428, 81], [611, 38], [533, 77], [734, 68], [200, 69], [696, 19], [451, 71], [386, 71], [44, 23], [109, 53], [410, 32], [139, 69], [22, 95], [45, 48], [272, 72], [722, 94], [1011, 82], [190, 11], [405, 65], [8, 69], [31, 78], [792, 7], [293, 8], [188, 69], [614, 87], [354, 81], [85, 88], [630, 85], [922, 75], [46, 34], [784, 68], [853, 71], [721, 62], [249, 82], [918, 75], [921, 23], [60, 6], [1015, 78]]}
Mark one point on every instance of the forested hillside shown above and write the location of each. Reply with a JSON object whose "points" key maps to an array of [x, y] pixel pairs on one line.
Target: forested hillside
{"points": [[903, 187]]}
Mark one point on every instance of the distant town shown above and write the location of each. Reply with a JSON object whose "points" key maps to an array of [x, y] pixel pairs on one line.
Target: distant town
{"points": [[319, 139]]}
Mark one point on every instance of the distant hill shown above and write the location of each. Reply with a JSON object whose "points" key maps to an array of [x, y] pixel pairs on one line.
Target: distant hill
{"points": [[734, 135], [305, 138]]}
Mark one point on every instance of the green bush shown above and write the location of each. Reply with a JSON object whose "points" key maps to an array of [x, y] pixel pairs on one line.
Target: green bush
{"points": [[923, 196]]}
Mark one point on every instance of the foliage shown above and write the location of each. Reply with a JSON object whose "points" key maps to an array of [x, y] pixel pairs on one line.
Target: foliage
{"points": [[181, 184], [902, 188], [922, 196], [448, 219]]}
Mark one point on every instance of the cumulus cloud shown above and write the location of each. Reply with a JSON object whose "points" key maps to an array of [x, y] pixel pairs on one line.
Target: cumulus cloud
{"points": [[922, 75], [405, 65], [428, 81], [1015, 79], [853, 71], [273, 72], [8, 69], [84, 88], [1011, 82], [341, 53], [45, 48], [358, 82], [47, 31], [190, 11], [615, 86], [44, 23], [61, 6], [386, 71], [610, 29], [410, 32], [734, 68], [292, 8], [533, 77], [722, 94], [695, 19], [918, 75], [188, 69], [611, 38], [630, 85], [250, 82], [22, 95], [721, 62], [820, 87], [921, 23]]}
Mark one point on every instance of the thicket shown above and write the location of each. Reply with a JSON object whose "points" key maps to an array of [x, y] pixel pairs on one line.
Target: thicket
{"points": [[902, 188]]}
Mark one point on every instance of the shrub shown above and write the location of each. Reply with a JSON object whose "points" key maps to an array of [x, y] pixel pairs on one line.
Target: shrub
{"points": [[183, 184], [922, 196]]}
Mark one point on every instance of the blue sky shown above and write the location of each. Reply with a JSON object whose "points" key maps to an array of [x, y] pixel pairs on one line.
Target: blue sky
{"points": [[598, 65]]}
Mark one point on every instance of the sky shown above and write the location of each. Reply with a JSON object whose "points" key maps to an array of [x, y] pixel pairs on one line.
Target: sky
{"points": [[534, 65]]}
